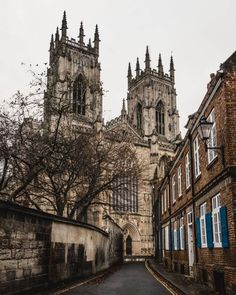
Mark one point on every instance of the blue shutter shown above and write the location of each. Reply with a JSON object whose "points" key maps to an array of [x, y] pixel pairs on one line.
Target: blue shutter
{"points": [[183, 237], [170, 242], [198, 233], [178, 238], [224, 227], [209, 230], [173, 245]]}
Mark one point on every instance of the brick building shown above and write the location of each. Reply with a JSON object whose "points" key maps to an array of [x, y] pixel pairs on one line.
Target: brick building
{"points": [[195, 205]]}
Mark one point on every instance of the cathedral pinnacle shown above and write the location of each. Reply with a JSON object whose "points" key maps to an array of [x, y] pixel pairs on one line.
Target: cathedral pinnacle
{"points": [[96, 39], [147, 60], [129, 71], [89, 43], [129, 76], [81, 34], [172, 69], [51, 50], [57, 37], [160, 67], [52, 43], [64, 26], [137, 68]]}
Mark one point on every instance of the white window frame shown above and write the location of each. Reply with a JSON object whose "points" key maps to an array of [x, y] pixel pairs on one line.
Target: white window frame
{"points": [[167, 236], [190, 218], [196, 147], [162, 203], [180, 181], [175, 236], [165, 208], [187, 170], [181, 229], [212, 141], [216, 222], [167, 198], [203, 225], [173, 189]]}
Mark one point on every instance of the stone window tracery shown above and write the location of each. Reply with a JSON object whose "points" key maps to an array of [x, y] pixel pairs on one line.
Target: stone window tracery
{"points": [[125, 194], [160, 118], [79, 99]]}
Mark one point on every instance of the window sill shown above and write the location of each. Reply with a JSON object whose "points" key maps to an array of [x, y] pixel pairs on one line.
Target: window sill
{"points": [[197, 178], [188, 189], [212, 163], [218, 246]]}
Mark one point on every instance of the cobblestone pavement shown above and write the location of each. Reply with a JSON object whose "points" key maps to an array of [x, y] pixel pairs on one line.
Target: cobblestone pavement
{"points": [[130, 279]]}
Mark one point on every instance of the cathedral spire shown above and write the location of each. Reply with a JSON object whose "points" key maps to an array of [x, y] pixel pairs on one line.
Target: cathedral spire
{"points": [[123, 110], [96, 40], [51, 49], [129, 76], [160, 67], [81, 34], [57, 37], [137, 68], [147, 60], [89, 43], [52, 43], [64, 26], [172, 70]]}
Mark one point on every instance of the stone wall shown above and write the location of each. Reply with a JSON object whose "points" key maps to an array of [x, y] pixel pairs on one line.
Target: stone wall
{"points": [[38, 249]]}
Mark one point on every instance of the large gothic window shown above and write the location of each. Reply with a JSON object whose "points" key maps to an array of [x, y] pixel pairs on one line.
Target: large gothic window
{"points": [[160, 118], [125, 194], [79, 91], [139, 116]]}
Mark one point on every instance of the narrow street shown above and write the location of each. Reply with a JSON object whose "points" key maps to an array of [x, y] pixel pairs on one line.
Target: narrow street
{"points": [[131, 279]]}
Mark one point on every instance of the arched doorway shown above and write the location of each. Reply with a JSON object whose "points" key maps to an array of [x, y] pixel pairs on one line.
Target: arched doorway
{"points": [[129, 245]]}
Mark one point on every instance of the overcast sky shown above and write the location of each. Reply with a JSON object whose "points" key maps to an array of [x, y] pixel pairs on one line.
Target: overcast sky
{"points": [[200, 33]]}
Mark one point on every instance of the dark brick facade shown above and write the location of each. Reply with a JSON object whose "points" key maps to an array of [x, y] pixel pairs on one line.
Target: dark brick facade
{"points": [[214, 263]]}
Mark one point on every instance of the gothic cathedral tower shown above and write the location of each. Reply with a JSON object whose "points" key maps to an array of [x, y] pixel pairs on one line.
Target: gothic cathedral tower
{"points": [[152, 100], [74, 79]]}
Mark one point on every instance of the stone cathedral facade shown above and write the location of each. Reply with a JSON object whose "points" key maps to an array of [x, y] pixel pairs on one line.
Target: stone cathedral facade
{"points": [[150, 115]]}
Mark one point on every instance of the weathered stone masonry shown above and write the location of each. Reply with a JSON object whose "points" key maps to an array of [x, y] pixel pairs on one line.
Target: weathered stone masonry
{"points": [[38, 249]]}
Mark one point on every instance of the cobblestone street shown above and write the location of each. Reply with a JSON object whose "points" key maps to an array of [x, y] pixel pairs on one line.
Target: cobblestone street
{"points": [[132, 278]]}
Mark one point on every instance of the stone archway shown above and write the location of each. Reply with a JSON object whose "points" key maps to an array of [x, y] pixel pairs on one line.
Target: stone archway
{"points": [[132, 240]]}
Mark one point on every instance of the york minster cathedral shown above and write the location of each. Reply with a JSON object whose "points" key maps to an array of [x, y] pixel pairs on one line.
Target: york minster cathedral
{"points": [[149, 114]]}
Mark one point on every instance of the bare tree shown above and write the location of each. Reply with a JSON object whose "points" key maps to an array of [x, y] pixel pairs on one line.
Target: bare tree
{"points": [[48, 164]]}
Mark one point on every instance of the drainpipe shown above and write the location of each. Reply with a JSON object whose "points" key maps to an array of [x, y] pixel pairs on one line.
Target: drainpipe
{"points": [[193, 194], [171, 248], [159, 242]]}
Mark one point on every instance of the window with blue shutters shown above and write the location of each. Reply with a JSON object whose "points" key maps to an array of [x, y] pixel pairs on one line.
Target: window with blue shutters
{"points": [[198, 232], [216, 221], [182, 234], [203, 225], [175, 236], [224, 227], [178, 239], [209, 231]]}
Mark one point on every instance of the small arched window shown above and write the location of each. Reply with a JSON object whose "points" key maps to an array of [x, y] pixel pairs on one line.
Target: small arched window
{"points": [[79, 92], [160, 118], [139, 116]]}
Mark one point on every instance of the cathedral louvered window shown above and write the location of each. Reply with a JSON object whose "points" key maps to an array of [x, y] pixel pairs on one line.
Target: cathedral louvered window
{"points": [[160, 118], [125, 194], [79, 91], [139, 116]]}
